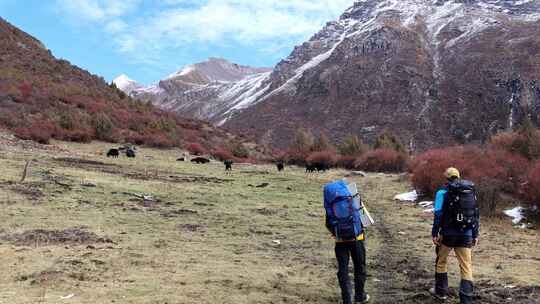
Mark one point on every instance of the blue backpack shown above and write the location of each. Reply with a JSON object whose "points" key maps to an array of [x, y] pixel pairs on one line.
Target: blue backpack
{"points": [[342, 211]]}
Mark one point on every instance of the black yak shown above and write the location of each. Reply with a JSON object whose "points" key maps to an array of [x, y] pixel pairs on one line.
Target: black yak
{"points": [[113, 153], [130, 153], [200, 160]]}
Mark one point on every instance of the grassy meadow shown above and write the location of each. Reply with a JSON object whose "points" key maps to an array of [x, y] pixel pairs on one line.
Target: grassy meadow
{"points": [[83, 228]]}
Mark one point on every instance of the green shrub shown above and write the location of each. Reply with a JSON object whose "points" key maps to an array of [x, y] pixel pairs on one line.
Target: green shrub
{"points": [[103, 126], [352, 146], [239, 150], [321, 143], [388, 140]]}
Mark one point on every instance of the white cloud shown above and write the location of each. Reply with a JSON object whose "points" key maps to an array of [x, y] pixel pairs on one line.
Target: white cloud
{"points": [[259, 24], [96, 10], [115, 26]]}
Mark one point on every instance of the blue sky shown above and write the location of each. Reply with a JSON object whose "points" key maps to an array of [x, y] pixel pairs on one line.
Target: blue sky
{"points": [[150, 39]]}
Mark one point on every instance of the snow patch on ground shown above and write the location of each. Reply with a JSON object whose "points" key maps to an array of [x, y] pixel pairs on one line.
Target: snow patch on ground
{"points": [[290, 85], [407, 197], [243, 90], [425, 204], [516, 214]]}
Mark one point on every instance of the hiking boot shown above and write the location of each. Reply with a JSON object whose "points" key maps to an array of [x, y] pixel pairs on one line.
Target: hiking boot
{"points": [[440, 291], [441, 297], [466, 290], [365, 300]]}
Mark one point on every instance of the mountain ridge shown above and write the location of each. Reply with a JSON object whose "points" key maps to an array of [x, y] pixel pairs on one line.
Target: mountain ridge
{"points": [[420, 68], [206, 90]]}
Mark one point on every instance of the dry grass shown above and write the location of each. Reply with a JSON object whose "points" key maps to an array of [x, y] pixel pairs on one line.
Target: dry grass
{"points": [[208, 236]]}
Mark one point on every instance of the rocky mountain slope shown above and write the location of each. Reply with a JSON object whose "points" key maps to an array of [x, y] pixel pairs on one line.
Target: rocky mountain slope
{"points": [[42, 97], [433, 71], [207, 90]]}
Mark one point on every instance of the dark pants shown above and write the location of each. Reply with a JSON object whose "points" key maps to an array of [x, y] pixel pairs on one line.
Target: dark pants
{"points": [[357, 252]]}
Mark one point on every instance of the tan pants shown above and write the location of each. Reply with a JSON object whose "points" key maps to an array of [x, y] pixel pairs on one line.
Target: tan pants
{"points": [[464, 256]]}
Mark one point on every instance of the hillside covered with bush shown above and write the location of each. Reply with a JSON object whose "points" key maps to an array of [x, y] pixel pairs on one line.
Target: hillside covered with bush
{"points": [[42, 97], [505, 169], [507, 166]]}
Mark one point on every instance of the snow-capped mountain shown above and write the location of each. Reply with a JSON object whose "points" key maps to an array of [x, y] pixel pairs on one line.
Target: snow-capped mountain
{"points": [[125, 84], [207, 90], [433, 71]]}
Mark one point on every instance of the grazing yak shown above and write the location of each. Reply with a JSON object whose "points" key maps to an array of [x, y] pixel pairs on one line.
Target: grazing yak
{"points": [[322, 167], [130, 153], [228, 165], [113, 153], [310, 168], [280, 166], [200, 160], [180, 159]]}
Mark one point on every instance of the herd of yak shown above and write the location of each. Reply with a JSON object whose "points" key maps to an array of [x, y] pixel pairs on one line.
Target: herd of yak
{"points": [[130, 152]]}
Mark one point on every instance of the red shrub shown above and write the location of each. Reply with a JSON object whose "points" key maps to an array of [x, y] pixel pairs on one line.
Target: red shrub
{"points": [[196, 149], [504, 141], [346, 162], [531, 188], [296, 157], [158, 140], [83, 136], [121, 117], [40, 130], [525, 142], [26, 90], [222, 154], [37, 135], [133, 137], [278, 156], [428, 168], [382, 160], [327, 157], [96, 107], [508, 168], [478, 165]]}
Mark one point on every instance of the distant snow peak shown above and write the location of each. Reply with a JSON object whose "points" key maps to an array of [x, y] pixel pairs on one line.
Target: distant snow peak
{"points": [[214, 70], [124, 83], [122, 79]]}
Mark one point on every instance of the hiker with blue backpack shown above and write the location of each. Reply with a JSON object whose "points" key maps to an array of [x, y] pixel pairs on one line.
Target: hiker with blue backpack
{"points": [[455, 227], [344, 215]]}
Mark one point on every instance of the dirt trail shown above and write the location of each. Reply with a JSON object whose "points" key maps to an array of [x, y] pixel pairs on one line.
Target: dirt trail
{"points": [[397, 275]]}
